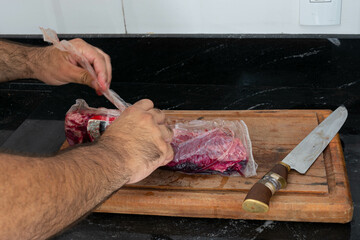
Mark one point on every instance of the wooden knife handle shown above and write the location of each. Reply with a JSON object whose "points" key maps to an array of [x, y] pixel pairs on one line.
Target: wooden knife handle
{"points": [[258, 198]]}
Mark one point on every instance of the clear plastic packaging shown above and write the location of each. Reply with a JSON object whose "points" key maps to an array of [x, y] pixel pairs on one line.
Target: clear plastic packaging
{"points": [[50, 36], [216, 146], [85, 124], [213, 147]]}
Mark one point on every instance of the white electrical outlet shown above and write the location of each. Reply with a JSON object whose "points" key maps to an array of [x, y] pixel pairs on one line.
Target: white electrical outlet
{"points": [[320, 12]]}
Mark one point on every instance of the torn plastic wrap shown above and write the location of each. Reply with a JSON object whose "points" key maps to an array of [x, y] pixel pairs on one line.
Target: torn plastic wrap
{"points": [[50, 36], [215, 147], [85, 124]]}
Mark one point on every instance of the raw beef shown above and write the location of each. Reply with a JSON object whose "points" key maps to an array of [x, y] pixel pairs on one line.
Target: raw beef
{"points": [[207, 151], [76, 128], [216, 146], [85, 124]]}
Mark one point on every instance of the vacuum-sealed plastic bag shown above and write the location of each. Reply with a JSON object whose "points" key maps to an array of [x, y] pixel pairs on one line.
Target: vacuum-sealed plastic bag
{"points": [[85, 124], [216, 146]]}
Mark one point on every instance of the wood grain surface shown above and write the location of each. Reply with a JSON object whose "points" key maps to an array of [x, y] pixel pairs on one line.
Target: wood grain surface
{"points": [[321, 195]]}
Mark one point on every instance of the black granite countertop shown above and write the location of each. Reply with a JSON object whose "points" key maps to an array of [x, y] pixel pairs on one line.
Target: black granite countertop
{"points": [[201, 74]]}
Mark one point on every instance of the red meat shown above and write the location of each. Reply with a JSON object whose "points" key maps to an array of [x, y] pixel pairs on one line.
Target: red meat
{"points": [[204, 150], [85, 124], [208, 151], [76, 128]]}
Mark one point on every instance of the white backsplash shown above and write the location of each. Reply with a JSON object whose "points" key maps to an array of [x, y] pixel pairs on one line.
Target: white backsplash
{"points": [[64, 16]]}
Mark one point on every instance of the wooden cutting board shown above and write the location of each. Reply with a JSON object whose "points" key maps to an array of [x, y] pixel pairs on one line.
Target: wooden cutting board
{"points": [[321, 195]]}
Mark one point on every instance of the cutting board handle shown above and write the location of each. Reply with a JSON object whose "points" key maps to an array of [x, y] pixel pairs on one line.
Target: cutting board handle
{"points": [[258, 198]]}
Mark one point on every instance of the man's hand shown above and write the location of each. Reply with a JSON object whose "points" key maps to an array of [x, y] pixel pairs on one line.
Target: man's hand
{"points": [[140, 138], [41, 196], [53, 66], [56, 67]]}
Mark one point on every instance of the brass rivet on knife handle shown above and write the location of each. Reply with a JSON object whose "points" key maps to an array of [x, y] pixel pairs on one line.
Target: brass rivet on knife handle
{"points": [[258, 198]]}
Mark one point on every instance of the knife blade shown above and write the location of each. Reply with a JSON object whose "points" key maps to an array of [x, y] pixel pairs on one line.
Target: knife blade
{"points": [[299, 159]]}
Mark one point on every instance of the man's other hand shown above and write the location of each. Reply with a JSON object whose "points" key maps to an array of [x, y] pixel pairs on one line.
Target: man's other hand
{"points": [[56, 67]]}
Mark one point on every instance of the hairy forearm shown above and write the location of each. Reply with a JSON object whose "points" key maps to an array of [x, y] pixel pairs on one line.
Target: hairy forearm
{"points": [[16, 61], [41, 196]]}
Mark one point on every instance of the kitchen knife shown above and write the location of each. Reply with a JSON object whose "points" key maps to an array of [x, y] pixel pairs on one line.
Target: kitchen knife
{"points": [[299, 159]]}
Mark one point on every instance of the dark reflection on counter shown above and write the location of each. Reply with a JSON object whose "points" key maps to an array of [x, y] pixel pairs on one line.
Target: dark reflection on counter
{"points": [[211, 74], [315, 63], [108, 226]]}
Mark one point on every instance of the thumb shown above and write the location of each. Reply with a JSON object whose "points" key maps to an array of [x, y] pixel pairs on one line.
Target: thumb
{"points": [[82, 76]]}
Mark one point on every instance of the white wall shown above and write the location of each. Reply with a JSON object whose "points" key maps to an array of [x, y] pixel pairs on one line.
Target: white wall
{"points": [[230, 16], [167, 16], [64, 16]]}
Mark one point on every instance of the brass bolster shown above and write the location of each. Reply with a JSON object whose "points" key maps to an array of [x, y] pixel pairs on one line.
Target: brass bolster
{"points": [[273, 181], [285, 165]]}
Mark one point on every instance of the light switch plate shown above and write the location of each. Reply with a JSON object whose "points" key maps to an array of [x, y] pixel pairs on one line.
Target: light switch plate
{"points": [[319, 1], [320, 12]]}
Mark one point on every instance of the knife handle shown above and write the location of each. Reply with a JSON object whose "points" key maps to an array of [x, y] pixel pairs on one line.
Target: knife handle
{"points": [[258, 198]]}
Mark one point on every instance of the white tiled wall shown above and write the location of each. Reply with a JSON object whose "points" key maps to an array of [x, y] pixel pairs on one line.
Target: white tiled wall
{"points": [[230, 16], [167, 17], [64, 16]]}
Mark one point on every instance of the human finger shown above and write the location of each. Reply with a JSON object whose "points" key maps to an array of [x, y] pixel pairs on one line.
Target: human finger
{"points": [[145, 104], [81, 76], [99, 64], [166, 133], [169, 156], [158, 115], [95, 58], [108, 67]]}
